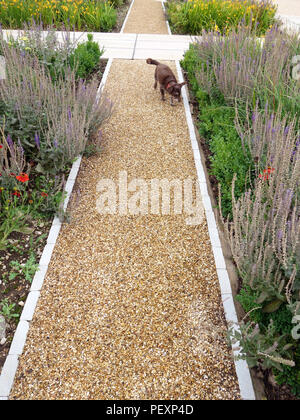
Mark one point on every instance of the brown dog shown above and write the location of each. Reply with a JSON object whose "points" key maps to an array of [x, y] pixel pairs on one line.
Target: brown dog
{"points": [[167, 81]]}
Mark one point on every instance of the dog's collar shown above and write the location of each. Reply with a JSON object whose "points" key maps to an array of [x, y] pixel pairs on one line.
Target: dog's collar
{"points": [[169, 85]]}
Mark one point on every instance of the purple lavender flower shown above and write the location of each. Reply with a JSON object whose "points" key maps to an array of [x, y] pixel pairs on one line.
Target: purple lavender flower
{"points": [[20, 146], [37, 140], [10, 142]]}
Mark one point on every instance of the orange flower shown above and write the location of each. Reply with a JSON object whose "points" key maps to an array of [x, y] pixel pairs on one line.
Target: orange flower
{"points": [[22, 177], [43, 194]]}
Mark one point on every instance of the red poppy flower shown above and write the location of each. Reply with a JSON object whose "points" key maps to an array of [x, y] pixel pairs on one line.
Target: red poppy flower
{"points": [[266, 173], [43, 194], [22, 177], [1, 146], [17, 193]]}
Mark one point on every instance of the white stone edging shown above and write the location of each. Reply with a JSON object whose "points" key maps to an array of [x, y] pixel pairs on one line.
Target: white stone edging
{"points": [[167, 23], [241, 366], [126, 17]]}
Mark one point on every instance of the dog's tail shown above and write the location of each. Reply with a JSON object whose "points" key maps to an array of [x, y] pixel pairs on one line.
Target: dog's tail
{"points": [[150, 61]]}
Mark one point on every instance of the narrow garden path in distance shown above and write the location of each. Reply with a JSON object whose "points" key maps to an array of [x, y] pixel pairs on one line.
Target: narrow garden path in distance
{"points": [[146, 17], [130, 307]]}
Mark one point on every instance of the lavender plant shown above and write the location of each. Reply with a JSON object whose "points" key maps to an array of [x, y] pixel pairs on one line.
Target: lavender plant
{"points": [[12, 160], [52, 121], [254, 77], [265, 231], [265, 349], [245, 69]]}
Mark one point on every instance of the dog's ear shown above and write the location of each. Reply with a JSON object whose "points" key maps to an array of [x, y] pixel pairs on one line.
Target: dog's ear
{"points": [[182, 84]]}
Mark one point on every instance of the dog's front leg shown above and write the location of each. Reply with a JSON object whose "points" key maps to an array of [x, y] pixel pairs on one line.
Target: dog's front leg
{"points": [[162, 91], [171, 101]]}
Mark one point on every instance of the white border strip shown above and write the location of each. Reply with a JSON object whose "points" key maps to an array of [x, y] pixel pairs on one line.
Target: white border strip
{"points": [[241, 366], [167, 23], [104, 77], [16, 349], [126, 18]]}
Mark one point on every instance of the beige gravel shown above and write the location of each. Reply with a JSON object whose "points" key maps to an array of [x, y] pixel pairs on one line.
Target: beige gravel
{"points": [[130, 307], [146, 17]]}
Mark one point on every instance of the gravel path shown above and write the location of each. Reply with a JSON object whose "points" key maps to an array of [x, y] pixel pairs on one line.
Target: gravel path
{"points": [[130, 307], [146, 17]]}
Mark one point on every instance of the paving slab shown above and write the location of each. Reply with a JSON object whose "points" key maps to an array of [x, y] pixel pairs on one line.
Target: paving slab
{"points": [[288, 7]]}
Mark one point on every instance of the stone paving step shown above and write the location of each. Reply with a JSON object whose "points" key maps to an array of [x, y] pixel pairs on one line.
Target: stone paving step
{"points": [[133, 46]]}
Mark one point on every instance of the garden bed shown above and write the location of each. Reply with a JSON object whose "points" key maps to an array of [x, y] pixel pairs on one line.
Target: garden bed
{"points": [[80, 15], [38, 148], [239, 114], [194, 16]]}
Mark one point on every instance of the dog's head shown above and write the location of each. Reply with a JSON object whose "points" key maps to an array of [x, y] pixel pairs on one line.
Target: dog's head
{"points": [[175, 89]]}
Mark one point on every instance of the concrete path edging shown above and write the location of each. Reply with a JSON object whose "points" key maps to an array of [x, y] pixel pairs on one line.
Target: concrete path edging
{"points": [[241, 366]]}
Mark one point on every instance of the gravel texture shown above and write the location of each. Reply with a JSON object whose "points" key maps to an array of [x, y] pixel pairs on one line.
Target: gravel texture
{"points": [[146, 17], [130, 307]]}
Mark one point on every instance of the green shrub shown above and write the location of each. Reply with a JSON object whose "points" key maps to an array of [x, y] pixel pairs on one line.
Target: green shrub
{"points": [[216, 125], [85, 58], [290, 375]]}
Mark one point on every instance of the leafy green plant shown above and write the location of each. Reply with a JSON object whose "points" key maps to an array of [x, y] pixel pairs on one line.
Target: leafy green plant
{"points": [[9, 310], [228, 159], [13, 217], [85, 57], [27, 270], [264, 348]]}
